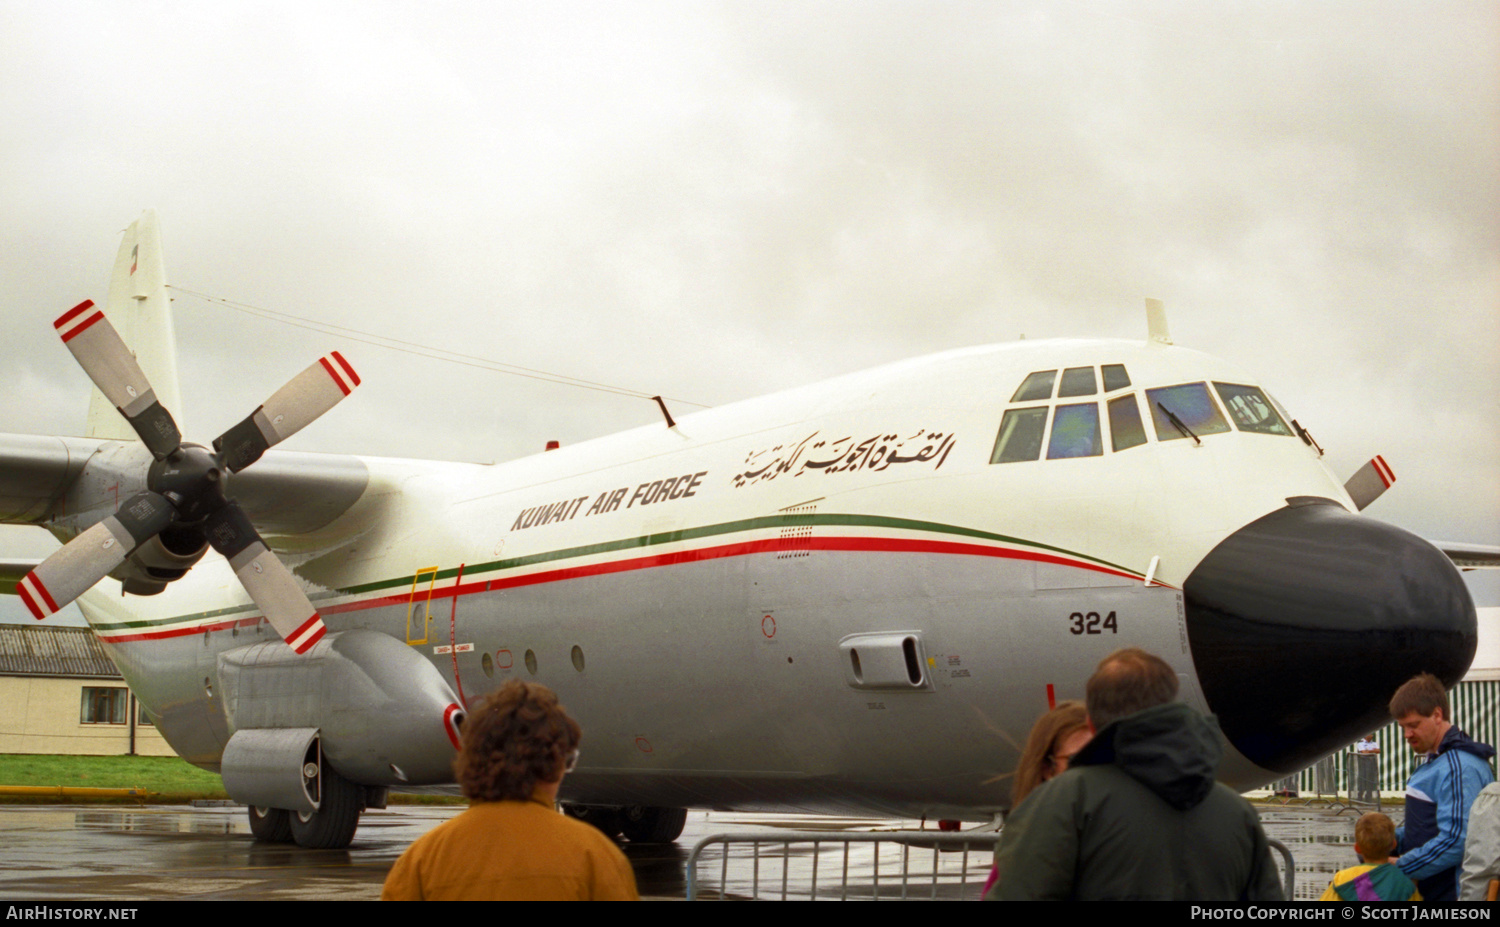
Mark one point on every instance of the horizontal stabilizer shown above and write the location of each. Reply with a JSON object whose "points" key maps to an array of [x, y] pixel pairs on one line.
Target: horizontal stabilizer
{"points": [[1470, 556], [11, 571]]}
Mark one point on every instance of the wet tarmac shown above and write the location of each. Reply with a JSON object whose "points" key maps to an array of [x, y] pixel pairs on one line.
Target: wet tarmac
{"points": [[96, 853]]}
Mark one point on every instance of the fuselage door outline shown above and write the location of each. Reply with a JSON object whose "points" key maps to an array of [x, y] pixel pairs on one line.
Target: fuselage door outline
{"points": [[419, 606]]}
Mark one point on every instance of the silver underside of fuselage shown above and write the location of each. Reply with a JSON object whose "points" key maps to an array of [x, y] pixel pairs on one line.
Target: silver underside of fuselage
{"points": [[721, 683]]}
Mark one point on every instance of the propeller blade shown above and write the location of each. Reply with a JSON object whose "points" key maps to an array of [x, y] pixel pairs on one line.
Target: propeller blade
{"points": [[108, 362], [88, 558], [1370, 482], [270, 584], [305, 397]]}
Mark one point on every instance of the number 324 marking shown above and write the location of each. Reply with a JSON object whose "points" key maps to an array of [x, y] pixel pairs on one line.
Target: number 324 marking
{"points": [[1091, 623]]}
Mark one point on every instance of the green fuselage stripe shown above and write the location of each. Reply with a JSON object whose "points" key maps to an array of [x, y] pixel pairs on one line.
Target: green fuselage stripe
{"points": [[652, 540]]}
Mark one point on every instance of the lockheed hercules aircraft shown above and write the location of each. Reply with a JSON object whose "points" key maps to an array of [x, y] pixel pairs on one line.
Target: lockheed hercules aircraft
{"points": [[851, 596]]}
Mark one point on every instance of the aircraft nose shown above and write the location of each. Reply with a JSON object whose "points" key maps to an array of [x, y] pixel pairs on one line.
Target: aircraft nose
{"points": [[1304, 623]]}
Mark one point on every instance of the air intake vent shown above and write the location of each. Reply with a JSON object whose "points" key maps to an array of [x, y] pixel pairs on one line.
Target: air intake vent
{"points": [[886, 660]]}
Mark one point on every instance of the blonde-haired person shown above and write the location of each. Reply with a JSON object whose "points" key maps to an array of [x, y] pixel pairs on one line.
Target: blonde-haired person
{"points": [[1055, 737], [512, 844], [1053, 740], [1377, 879]]}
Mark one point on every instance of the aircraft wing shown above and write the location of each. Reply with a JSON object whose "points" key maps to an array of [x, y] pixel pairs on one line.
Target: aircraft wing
{"points": [[286, 493], [1470, 556], [11, 572], [35, 473]]}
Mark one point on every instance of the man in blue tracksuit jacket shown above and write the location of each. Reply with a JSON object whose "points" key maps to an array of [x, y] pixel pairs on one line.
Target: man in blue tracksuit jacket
{"points": [[1441, 791]]}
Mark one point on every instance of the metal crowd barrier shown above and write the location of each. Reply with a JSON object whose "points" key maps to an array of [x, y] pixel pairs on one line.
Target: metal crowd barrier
{"points": [[953, 875], [1288, 870], [949, 878]]}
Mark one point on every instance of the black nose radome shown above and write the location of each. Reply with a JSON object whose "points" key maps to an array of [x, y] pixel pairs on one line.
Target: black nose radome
{"points": [[1304, 622]]}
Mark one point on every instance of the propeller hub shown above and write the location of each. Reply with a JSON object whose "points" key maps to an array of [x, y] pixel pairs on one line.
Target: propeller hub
{"points": [[192, 474]]}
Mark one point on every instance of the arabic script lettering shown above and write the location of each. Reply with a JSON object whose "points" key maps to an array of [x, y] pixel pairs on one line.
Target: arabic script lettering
{"points": [[844, 455]]}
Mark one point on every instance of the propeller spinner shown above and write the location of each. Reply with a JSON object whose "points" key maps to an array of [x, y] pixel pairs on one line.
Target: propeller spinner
{"points": [[185, 484]]}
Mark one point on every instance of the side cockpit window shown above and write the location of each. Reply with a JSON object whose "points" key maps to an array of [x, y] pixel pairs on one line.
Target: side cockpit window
{"points": [[1251, 410]]}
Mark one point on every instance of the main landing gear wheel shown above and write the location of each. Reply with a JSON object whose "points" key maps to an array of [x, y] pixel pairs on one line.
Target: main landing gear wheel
{"points": [[332, 826], [604, 819], [652, 825], [271, 825]]}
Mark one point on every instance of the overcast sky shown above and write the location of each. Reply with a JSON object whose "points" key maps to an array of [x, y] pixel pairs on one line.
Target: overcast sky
{"points": [[712, 201]]}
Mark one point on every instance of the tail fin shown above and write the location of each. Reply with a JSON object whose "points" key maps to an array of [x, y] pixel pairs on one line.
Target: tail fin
{"points": [[141, 311]]}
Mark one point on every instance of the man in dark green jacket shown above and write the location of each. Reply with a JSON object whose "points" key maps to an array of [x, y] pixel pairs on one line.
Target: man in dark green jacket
{"points": [[1138, 814]]}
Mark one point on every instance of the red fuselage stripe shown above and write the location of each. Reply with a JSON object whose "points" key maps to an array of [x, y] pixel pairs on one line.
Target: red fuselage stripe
{"points": [[885, 545]]}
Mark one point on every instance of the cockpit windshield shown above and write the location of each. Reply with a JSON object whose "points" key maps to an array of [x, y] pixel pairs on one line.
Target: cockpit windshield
{"points": [[1077, 429], [1193, 407]]}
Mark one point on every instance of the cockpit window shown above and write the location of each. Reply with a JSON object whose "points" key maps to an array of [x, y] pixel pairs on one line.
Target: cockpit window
{"points": [[1115, 377], [1192, 406], [1251, 410], [1125, 428], [1036, 386], [1075, 431], [1077, 381], [1020, 435]]}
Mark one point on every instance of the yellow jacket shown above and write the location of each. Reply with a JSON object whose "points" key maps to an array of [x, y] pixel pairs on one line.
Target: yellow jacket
{"points": [[511, 851]]}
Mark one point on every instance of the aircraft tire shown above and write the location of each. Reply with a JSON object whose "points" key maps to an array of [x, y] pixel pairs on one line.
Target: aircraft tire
{"points": [[332, 826], [271, 825], [604, 819], [652, 825]]}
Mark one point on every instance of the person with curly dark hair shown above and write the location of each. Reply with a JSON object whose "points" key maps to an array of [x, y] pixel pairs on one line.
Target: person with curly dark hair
{"points": [[512, 844]]}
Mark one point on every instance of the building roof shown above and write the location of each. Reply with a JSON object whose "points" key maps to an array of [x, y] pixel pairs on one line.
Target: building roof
{"points": [[35, 650]]}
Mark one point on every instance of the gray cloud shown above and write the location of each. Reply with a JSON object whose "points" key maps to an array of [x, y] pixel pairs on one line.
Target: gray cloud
{"points": [[713, 201]]}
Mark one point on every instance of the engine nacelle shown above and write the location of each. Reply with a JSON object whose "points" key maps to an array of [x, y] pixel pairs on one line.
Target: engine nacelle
{"points": [[162, 559], [273, 768], [383, 715]]}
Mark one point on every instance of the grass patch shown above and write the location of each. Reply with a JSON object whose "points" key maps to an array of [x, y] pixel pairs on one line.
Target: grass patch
{"points": [[169, 779]]}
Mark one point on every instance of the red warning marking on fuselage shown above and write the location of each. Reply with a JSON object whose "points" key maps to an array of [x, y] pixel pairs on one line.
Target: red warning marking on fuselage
{"points": [[643, 744], [450, 725], [769, 632], [1051, 697]]}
